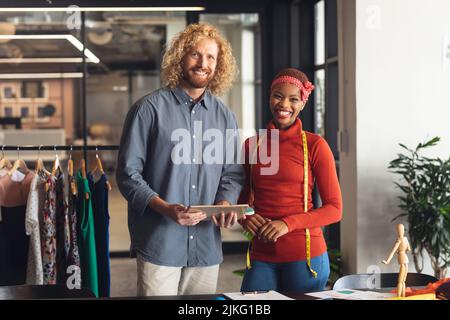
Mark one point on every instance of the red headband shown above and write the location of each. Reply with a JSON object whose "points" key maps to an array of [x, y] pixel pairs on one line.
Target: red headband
{"points": [[305, 88]]}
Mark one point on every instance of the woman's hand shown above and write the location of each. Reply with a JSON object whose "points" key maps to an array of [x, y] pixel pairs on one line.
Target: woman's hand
{"points": [[272, 230], [253, 222]]}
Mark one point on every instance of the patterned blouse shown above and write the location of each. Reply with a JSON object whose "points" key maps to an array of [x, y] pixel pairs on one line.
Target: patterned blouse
{"points": [[48, 233], [62, 230], [33, 217], [74, 256]]}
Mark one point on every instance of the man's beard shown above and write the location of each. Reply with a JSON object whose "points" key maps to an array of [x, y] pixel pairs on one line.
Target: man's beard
{"points": [[197, 82]]}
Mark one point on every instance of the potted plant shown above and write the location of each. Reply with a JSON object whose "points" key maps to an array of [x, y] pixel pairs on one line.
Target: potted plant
{"points": [[426, 205]]}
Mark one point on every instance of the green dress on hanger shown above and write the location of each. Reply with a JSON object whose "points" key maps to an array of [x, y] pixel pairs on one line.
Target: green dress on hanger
{"points": [[88, 254]]}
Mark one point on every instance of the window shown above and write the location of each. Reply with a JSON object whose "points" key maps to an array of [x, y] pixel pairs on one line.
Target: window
{"points": [[8, 92], [319, 125], [32, 89], [24, 112], [326, 116], [41, 112], [319, 23], [326, 73], [243, 32], [8, 112]]}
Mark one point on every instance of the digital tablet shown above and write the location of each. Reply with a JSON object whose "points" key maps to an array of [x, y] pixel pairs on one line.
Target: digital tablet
{"points": [[211, 210]]}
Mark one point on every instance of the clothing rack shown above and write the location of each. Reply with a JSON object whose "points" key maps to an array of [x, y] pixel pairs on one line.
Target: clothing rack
{"points": [[58, 148], [83, 148]]}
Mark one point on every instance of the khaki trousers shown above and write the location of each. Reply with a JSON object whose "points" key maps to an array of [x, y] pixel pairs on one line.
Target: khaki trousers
{"points": [[156, 280]]}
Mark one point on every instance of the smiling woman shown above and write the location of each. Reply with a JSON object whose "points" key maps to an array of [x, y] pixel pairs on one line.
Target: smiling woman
{"points": [[289, 93], [288, 251], [285, 104]]}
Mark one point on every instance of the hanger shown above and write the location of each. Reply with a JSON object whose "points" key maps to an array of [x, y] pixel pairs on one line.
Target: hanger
{"points": [[56, 163], [83, 169], [40, 164], [73, 188], [99, 167], [83, 173], [70, 163], [19, 164], [4, 163]]}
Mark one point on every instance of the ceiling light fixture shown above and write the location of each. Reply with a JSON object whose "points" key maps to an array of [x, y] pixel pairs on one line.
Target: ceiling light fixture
{"points": [[74, 41], [42, 60], [108, 9], [41, 75]]}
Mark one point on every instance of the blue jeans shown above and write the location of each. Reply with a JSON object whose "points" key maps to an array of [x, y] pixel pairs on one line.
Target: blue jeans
{"points": [[289, 277]]}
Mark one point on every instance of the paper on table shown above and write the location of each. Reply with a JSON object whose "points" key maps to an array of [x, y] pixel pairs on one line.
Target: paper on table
{"points": [[351, 294], [269, 295]]}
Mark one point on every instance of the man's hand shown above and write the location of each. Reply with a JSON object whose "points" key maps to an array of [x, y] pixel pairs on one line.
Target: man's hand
{"points": [[272, 230], [253, 222], [177, 212], [225, 220], [185, 216]]}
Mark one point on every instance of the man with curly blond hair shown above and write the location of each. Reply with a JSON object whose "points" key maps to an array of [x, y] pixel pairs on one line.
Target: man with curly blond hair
{"points": [[164, 166]]}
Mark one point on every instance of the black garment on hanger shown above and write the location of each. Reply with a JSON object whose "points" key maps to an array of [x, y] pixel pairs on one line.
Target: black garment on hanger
{"points": [[13, 246], [100, 196], [62, 231]]}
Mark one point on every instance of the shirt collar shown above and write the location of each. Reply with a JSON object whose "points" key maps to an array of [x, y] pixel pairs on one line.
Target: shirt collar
{"points": [[184, 98]]}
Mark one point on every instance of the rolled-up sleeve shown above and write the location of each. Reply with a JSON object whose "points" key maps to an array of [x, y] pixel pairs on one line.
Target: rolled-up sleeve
{"points": [[132, 157]]}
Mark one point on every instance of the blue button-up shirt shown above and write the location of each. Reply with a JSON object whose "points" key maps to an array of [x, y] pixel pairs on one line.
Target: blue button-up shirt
{"points": [[166, 150]]}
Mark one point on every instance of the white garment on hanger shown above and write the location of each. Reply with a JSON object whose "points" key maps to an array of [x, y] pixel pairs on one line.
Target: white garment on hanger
{"points": [[35, 205], [17, 176]]}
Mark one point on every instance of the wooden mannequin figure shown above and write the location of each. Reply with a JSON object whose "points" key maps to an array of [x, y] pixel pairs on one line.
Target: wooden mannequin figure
{"points": [[401, 246]]}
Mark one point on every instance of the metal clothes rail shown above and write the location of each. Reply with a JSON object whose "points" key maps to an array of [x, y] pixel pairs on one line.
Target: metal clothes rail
{"points": [[58, 148], [84, 148]]}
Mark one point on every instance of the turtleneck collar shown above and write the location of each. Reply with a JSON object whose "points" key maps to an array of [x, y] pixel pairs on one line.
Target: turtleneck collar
{"points": [[294, 130]]}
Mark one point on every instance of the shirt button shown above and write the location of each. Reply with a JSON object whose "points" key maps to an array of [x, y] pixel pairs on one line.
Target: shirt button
{"points": [[191, 237], [193, 186], [193, 160], [193, 136], [193, 111], [185, 103]]}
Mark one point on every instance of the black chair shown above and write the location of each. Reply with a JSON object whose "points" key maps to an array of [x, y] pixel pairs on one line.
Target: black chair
{"points": [[25, 292], [381, 280]]}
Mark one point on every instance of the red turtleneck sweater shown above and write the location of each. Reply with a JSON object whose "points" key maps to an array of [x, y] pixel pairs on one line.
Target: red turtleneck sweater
{"points": [[280, 195]]}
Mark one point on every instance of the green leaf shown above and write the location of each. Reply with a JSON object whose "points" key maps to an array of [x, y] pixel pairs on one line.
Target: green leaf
{"points": [[239, 273], [404, 147], [431, 142]]}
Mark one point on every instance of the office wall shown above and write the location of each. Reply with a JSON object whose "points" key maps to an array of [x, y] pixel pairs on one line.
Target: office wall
{"points": [[401, 96]]}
